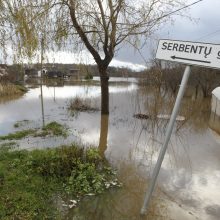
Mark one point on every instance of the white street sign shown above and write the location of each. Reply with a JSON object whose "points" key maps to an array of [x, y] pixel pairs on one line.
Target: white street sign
{"points": [[192, 53]]}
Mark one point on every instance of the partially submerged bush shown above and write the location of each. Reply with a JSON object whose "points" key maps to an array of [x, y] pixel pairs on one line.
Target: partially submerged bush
{"points": [[88, 76], [80, 104], [20, 123]]}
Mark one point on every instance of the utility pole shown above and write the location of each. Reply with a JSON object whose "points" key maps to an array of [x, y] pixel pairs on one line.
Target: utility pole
{"points": [[41, 86], [54, 98]]}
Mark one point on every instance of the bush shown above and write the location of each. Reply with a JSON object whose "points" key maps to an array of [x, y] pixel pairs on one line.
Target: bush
{"points": [[83, 105], [31, 180], [89, 76]]}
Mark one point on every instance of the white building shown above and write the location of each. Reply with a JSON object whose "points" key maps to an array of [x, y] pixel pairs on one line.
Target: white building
{"points": [[214, 122], [216, 101]]}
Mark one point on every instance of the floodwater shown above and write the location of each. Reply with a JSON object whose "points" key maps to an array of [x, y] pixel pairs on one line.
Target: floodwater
{"points": [[188, 183]]}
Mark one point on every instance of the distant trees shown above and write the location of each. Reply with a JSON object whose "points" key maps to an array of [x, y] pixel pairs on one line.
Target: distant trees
{"points": [[205, 79], [202, 79], [101, 26]]}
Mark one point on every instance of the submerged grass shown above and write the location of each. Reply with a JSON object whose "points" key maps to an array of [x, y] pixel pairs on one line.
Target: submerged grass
{"points": [[53, 128], [11, 144], [31, 180], [21, 123], [18, 135]]}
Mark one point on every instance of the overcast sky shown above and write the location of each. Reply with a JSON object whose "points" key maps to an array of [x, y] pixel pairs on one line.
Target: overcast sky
{"points": [[205, 29]]}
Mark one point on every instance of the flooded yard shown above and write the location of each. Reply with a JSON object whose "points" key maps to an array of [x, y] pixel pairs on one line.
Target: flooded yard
{"points": [[188, 184]]}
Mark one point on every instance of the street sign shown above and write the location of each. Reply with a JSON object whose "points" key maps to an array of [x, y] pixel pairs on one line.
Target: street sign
{"points": [[192, 53]]}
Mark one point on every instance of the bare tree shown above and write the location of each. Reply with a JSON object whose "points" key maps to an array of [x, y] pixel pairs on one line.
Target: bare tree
{"points": [[100, 25]]}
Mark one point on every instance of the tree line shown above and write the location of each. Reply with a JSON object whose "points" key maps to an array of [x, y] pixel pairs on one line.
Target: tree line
{"points": [[170, 76]]}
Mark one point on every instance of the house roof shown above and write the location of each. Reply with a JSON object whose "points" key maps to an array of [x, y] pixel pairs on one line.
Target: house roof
{"points": [[216, 93]]}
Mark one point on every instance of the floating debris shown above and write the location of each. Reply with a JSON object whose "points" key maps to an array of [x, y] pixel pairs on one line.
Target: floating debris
{"points": [[167, 117], [73, 204], [90, 194], [107, 185], [160, 116], [141, 116]]}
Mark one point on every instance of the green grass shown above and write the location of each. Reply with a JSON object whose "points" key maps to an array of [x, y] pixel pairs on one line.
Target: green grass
{"points": [[55, 129], [52, 129], [9, 144], [18, 135], [31, 180]]}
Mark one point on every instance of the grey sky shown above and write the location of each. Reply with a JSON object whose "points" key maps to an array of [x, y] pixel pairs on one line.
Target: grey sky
{"points": [[205, 29]]}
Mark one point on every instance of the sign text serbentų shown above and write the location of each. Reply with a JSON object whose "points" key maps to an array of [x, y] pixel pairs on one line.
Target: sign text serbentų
{"points": [[194, 53]]}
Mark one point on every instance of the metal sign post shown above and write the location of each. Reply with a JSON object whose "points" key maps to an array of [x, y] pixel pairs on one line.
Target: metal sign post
{"points": [[190, 53], [41, 86], [167, 138]]}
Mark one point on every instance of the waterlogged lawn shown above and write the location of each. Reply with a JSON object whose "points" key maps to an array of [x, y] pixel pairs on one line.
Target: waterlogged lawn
{"points": [[30, 181], [18, 135], [52, 129], [55, 128]]}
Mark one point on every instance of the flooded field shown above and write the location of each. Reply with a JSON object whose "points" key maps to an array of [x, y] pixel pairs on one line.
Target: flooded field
{"points": [[130, 139]]}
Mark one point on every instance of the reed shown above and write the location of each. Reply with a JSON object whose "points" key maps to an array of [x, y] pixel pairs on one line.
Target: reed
{"points": [[10, 89]]}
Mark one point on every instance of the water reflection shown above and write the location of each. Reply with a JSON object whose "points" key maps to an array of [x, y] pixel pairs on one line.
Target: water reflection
{"points": [[189, 177], [6, 99], [85, 91], [120, 204]]}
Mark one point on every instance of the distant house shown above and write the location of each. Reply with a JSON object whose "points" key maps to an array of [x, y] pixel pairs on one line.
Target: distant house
{"points": [[73, 73], [55, 74], [44, 72], [3, 70], [31, 72]]}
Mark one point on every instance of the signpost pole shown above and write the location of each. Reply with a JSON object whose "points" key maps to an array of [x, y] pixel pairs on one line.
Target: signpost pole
{"points": [[41, 86], [167, 138]]}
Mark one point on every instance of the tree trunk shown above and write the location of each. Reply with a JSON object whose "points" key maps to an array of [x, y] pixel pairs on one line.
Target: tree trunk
{"points": [[103, 140], [104, 92]]}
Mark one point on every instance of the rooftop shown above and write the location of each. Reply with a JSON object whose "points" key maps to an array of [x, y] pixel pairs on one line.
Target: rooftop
{"points": [[216, 92]]}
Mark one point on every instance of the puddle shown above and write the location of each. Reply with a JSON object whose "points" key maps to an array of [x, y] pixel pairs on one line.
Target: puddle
{"points": [[190, 174]]}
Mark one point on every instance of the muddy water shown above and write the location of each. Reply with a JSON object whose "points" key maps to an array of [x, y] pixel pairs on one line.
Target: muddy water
{"points": [[188, 185]]}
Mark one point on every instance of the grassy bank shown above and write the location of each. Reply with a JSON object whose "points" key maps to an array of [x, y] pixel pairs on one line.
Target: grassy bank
{"points": [[31, 181], [9, 89]]}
